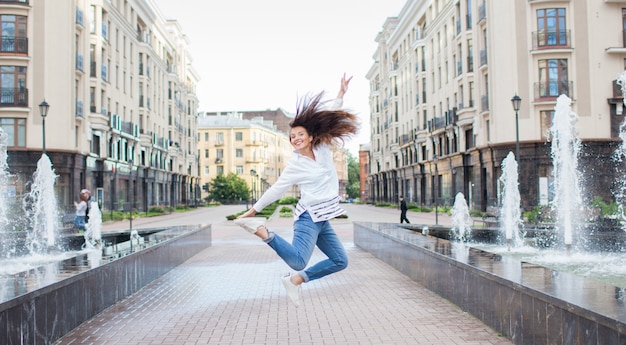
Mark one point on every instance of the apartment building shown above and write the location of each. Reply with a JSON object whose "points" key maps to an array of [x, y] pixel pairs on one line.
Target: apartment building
{"points": [[254, 149], [254, 145], [442, 84], [120, 86]]}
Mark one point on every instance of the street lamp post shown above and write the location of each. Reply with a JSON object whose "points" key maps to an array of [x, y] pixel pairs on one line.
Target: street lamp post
{"points": [[516, 101], [436, 161], [132, 194], [43, 110], [253, 174]]}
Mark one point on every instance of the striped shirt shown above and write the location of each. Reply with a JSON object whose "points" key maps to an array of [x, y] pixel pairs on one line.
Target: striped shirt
{"points": [[316, 178], [318, 183]]}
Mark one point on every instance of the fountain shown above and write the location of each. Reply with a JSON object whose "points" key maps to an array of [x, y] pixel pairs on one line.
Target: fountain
{"points": [[565, 151], [571, 291], [40, 208], [4, 181], [460, 229], [93, 235], [619, 157], [510, 210]]}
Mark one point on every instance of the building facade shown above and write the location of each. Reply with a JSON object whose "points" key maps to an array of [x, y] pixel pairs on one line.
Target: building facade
{"points": [[122, 105], [254, 149], [254, 145], [445, 73]]}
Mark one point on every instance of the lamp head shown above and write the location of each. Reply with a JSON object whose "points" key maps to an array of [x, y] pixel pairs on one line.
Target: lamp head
{"points": [[43, 108], [516, 101]]}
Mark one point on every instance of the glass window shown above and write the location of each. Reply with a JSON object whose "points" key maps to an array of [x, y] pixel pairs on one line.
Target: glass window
{"points": [[551, 27], [239, 169], [13, 84], [238, 136], [14, 38], [553, 80], [15, 130], [238, 152]]}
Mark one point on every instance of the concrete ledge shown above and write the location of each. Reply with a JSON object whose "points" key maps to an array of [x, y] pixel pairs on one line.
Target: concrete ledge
{"points": [[46, 314], [528, 304]]}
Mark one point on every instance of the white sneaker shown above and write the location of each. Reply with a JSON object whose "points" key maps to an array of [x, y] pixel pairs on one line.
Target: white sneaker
{"points": [[293, 291], [250, 224]]}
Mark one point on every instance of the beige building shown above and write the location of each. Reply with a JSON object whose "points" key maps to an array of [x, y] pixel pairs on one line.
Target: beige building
{"points": [[253, 149], [254, 145], [120, 86], [442, 82]]}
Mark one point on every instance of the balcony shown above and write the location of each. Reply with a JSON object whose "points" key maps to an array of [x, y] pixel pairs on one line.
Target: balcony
{"points": [[552, 39], [549, 91], [14, 45], [13, 97], [219, 160]]}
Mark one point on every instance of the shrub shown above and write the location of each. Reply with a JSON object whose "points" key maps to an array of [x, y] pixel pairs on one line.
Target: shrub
{"points": [[288, 200]]}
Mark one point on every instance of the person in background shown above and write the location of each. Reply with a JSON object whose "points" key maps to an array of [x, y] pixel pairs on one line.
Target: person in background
{"points": [[403, 210], [82, 207], [313, 131]]}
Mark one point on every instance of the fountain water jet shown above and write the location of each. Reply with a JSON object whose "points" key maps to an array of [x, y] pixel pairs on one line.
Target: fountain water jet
{"points": [[4, 181], [619, 157], [460, 219], [510, 196], [565, 151], [40, 207], [93, 234]]}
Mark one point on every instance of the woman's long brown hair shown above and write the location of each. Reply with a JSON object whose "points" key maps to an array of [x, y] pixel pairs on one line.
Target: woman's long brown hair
{"points": [[324, 125]]}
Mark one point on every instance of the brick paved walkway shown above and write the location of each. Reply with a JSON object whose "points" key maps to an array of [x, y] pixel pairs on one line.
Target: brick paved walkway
{"points": [[231, 293]]}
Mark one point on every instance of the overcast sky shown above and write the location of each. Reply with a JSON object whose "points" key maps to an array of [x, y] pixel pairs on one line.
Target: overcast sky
{"points": [[265, 54]]}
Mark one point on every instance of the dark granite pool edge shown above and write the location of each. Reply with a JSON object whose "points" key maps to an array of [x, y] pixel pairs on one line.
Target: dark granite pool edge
{"points": [[45, 315], [521, 313]]}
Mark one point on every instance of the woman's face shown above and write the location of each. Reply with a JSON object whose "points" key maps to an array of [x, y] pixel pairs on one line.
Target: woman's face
{"points": [[300, 138]]}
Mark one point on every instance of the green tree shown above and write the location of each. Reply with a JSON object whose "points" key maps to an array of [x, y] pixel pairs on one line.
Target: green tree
{"points": [[229, 189], [353, 189]]}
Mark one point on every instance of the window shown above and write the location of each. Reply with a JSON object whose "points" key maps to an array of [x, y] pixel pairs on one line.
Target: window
{"points": [[239, 153], [206, 136], [239, 170], [95, 144], [470, 56], [14, 37], [220, 138], [220, 170], [624, 26], [469, 14], [546, 122], [551, 27], [220, 153], [238, 136], [553, 79], [13, 82], [206, 169], [206, 153], [15, 130]]}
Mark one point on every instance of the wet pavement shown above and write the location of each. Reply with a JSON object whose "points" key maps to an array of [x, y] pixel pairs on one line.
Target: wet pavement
{"points": [[231, 293]]}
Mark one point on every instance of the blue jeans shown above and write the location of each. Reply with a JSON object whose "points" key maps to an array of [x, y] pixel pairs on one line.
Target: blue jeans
{"points": [[79, 222], [306, 235]]}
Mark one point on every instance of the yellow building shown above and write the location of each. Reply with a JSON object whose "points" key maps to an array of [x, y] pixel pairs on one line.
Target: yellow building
{"points": [[253, 149]]}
